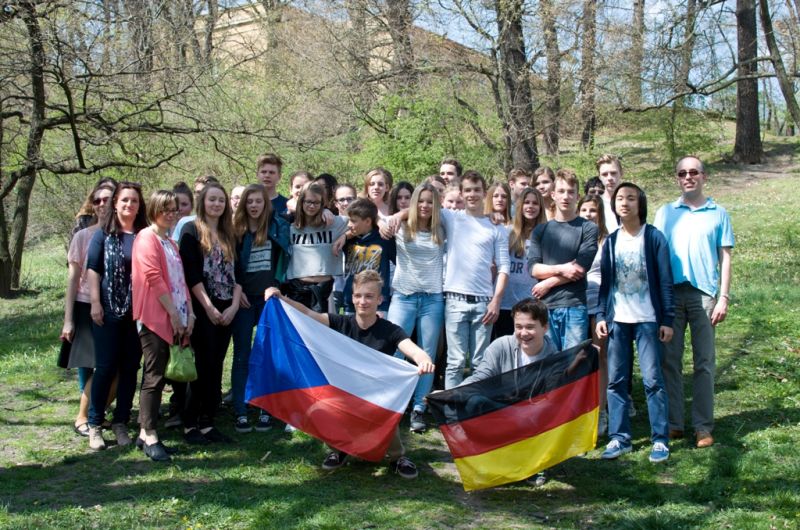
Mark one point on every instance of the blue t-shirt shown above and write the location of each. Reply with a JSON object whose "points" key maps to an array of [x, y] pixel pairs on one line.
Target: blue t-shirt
{"points": [[368, 252], [695, 237]]}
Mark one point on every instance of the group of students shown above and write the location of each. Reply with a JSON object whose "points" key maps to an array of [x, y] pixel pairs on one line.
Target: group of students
{"points": [[524, 259]]}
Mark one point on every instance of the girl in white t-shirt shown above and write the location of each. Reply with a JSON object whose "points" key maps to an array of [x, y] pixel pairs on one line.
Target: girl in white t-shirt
{"points": [[529, 212]]}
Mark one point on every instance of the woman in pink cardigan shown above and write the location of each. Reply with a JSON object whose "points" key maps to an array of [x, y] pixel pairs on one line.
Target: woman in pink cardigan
{"points": [[161, 308]]}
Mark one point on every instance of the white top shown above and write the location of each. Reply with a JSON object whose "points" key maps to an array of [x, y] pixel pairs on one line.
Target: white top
{"points": [[523, 359], [473, 245], [593, 278], [420, 263], [520, 281], [312, 250], [610, 217], [632, 303]]}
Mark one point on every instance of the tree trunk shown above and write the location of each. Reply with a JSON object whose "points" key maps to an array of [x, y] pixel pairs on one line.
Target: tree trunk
{"points": [[687, 49], [514, 72], [12, 238], [273, 14], [553, 87], [637, 54], [398, 17], [747, 148], [777, 63], [682, 70], [588, 84], [357, 49], [213, 15], [140, 15]]}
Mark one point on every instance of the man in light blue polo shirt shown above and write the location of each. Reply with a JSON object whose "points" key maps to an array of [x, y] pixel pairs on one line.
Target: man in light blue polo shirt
{"points": [[700, 237]]}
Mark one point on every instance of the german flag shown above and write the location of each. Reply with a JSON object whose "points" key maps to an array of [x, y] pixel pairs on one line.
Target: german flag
{"points": [[510, 426]]}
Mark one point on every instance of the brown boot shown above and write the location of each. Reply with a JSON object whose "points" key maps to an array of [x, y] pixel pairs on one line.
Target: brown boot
{"points": [[120, 431], [704, 439]]}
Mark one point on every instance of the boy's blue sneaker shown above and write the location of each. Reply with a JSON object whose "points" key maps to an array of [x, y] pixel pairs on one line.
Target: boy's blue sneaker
{"points": [[660, 453], [615, 449]]}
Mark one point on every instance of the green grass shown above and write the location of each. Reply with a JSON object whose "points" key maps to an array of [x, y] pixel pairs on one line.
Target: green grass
{"points": [[749, 479]]}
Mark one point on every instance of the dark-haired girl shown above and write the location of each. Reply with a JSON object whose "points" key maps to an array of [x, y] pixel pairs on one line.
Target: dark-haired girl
{"points": [[116, 341]]}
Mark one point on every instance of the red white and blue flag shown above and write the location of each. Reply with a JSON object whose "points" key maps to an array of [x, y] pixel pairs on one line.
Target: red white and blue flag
{"points": [[326, 384]]}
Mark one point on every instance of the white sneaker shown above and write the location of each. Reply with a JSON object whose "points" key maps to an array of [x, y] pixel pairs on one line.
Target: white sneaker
{"points": [[660, 453], [96, 441], [289, 428]]}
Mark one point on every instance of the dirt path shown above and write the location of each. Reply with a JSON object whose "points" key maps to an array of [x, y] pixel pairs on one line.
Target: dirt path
{"points": [[780, 160]]}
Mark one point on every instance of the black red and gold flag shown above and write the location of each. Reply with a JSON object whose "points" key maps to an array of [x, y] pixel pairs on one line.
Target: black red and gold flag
{"points": [[513, 425]]}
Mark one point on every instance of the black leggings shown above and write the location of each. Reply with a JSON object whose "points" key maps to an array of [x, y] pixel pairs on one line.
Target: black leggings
{"points": [[210, 343]]}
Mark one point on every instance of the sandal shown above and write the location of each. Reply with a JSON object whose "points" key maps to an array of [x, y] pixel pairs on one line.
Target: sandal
{"points": [[82, 429]]}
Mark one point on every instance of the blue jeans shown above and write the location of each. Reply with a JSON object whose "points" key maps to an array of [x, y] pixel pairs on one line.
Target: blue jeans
{"points": [[568, 326], [425, 312], [467, 338], [117, 351], [242, 327], [620, 353], [84, 374]]}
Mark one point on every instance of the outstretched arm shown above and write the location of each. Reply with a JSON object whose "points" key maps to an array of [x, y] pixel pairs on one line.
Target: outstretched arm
{"points": [[418, 355]]}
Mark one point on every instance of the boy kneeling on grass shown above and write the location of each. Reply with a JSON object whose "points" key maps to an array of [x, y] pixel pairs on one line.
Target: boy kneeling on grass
{"points": [[368, 328], [529, 343]]}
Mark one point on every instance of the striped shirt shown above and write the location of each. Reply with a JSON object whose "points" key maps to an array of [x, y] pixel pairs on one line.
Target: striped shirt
{"points": [[419, 264]]}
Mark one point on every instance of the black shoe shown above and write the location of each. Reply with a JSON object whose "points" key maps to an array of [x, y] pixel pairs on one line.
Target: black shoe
{"points": [[417, 422], [157, 452], [195, 437], [170, 450], [264, 424], [242, 425], [214, 435], [335, 459], [404, 467]]}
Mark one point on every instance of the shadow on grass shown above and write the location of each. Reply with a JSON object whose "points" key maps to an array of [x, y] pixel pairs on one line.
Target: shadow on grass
{"points": [[25, 332], [277, 479]]}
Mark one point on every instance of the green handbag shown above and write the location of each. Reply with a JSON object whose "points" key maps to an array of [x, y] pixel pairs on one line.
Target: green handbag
{"points": [[180, 367]]}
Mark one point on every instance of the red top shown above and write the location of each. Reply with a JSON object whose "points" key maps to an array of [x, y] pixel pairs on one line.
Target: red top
{"points": [[150, 280]]}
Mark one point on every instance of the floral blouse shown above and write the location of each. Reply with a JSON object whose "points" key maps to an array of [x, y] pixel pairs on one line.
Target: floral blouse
{"points": [[177, 281], [218, 274]]}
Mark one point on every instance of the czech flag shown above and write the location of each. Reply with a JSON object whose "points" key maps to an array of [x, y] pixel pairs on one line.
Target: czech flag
{"points": [[327, 385], [510, 426]]}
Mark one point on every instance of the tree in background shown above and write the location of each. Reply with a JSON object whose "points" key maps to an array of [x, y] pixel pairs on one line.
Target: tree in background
{"points": [[747, 148], [84, 93], [588, 78]]}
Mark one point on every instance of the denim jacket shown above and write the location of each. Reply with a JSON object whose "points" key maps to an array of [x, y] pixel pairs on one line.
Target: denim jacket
{"points": [[278, 233]]}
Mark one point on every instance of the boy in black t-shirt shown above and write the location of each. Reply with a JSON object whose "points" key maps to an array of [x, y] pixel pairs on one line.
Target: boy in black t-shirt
{"points": [[368, 328]]}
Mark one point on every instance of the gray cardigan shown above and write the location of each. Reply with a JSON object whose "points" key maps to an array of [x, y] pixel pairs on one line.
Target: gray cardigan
{"points": [[502, 356]]}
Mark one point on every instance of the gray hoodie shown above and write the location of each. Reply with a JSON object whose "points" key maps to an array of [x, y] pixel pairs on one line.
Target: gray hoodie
{"points": [[502, 356]]}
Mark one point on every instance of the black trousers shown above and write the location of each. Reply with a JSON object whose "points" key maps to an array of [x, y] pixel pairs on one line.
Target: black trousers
{"points": [[210, 343]]}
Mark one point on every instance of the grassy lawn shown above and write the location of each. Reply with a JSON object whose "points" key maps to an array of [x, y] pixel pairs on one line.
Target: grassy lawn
{"points": [[749, 479]]}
